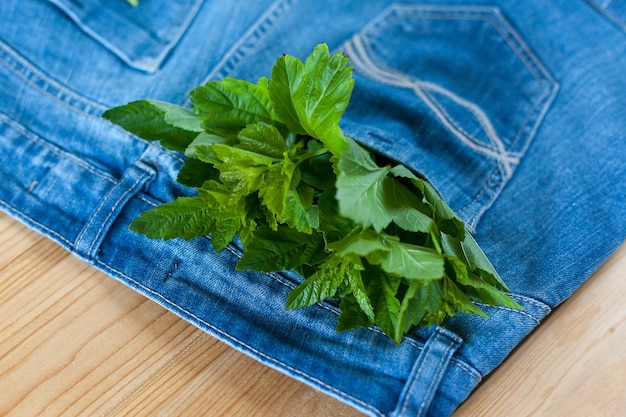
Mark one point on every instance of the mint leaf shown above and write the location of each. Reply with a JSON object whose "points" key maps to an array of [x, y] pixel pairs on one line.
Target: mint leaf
{"points": [[174, 126], [227, 106]]}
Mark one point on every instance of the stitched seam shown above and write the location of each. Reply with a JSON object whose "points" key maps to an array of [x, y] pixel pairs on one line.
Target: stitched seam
{"points": [[488, 185], [407, 339], [253, 32], [532, 301], [507, 34], [363, 59], [122, 198], [512, 310], [427, 395], [181, 24], [423, 355], [250, 348], [30, 74], [36, 223], [51, 148], [459, 363]]}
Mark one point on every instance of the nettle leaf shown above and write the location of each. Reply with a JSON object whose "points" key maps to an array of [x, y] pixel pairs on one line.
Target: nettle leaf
{"points": [[202, 146], [475, 287], [360, 188], [352, 315], [228, 106], [174, 126], [284, 248], [405, 208], [278, 192], [446, 218], [186, 217], [370, 196], [472, 255], [321, 285], [263, 139], [287, 75], [195, 173], [381, 290], [412, 261], [311, 97], [271, 165]]}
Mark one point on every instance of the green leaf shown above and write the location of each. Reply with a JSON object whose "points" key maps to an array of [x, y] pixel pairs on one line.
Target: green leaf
{"points": [[475, 287], [172, 125], [360, 243], [360, 189], [284, 248], [186, 217], [358, 291], [411, 261], [311, 97], [202, 146], [322, 285], [351, 314], [263, 139], [195, 173], [228, 106], [447, 220], [422, 298], [472, 255], [382, 289], [405, 208], [287, 75]]}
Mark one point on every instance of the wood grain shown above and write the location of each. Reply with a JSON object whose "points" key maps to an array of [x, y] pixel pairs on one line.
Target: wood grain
{"points": [[75, 342]]}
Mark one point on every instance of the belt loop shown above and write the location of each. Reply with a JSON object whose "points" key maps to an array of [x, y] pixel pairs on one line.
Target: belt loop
{"points": [[427, 373], [88, 241]]}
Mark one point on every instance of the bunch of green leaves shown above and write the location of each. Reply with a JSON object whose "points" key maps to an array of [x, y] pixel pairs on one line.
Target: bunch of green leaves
{"points": [[271, 165]]}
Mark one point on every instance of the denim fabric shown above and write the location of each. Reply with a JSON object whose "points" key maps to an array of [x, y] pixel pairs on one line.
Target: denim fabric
{"points": [[515, 111]]}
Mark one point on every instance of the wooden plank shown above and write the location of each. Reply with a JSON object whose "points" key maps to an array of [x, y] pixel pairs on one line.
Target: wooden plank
{"points": [[75, 342]]}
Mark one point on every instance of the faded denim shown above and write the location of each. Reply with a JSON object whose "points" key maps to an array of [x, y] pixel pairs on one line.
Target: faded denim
{"points": [[516, 112]]}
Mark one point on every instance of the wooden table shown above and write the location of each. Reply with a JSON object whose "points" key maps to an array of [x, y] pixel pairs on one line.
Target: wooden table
{"points": [[74, 341]]}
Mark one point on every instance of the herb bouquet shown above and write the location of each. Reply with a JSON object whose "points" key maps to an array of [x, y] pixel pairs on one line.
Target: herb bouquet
{"points": [[271, 165]]}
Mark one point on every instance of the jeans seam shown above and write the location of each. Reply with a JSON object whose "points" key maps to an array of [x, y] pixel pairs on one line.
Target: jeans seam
{"points": [[255, 32], [442, 359], [231, 337], [407, 339], [51, 148], [132, 188], [25, 216], [10, 57]]}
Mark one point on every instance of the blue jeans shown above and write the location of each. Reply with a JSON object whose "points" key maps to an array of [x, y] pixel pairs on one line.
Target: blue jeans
{"points": [[516, 113]]}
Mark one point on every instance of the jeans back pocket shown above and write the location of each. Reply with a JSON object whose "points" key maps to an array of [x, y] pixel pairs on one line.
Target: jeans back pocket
{"points": [[141, 36], [453, 92]]}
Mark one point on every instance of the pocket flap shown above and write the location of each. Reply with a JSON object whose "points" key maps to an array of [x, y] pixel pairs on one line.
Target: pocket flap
{"points": [[141, 36]]}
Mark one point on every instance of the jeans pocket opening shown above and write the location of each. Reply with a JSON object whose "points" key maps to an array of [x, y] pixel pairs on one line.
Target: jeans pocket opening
{"points": [[464, 72]]}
